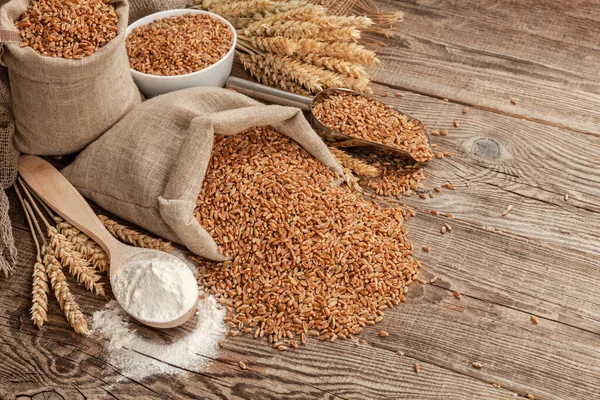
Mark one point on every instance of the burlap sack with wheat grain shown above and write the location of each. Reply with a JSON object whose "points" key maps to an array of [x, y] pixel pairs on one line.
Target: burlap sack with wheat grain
{"points": [[149, 168], [62, 105]]}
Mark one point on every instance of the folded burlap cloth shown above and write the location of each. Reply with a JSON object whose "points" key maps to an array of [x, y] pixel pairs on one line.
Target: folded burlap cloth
{"points": [[8, 173]]}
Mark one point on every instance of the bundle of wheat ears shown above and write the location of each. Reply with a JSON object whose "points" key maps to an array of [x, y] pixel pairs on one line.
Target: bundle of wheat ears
{"points": [[298, 46], [65, 247]]}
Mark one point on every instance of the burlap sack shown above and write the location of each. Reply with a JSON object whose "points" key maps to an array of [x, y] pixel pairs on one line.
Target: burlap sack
{"points": [[148, 169], [8, 173], [61, 105], [140, 8]]}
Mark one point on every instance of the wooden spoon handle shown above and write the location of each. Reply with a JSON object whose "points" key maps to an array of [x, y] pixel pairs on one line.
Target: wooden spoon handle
{"points": [[62, 197]]}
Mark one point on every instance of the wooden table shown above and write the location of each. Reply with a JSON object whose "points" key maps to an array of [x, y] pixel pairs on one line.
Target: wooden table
{"points": [[542, 259]]}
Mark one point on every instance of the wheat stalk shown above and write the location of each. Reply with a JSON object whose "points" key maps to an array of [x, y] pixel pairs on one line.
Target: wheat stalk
{"points": [[335, 22], [255, 64], [305, 13], [133, 237], [362, 84], [79, 267], [356, 165], [90, 250], [337, 65], [349, 51], [63, 293], [276, 45], [39, 290], [248, 8], [319, 53], [53, 271]]}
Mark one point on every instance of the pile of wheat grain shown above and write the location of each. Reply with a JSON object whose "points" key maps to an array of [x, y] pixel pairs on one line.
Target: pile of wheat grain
{"points": [[309, 258], [178, 45], [67, 28], [298, 46]]}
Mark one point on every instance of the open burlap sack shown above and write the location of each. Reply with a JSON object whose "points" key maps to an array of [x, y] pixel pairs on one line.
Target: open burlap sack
{"points": [[61, 105], [149, 168], [140, 8]]}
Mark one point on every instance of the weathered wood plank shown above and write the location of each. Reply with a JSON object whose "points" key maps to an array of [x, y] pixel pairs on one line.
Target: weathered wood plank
{"points": [[543, 54], [58, 359], [511, 161]]}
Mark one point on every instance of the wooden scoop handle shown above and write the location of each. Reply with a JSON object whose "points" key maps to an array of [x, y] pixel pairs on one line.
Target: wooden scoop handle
{"points": [[64, 199]]}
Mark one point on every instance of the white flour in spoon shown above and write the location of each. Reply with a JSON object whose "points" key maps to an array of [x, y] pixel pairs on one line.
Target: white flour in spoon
{"points": [[155, 287], [137, 357]]}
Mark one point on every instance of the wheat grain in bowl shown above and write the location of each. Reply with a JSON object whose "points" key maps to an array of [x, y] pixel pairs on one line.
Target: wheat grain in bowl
{"points": [[178, 45]]}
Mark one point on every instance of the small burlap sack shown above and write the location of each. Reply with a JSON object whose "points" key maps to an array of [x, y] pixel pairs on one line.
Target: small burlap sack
{"points": [[140, 8], [62, 105], [149, 168]]}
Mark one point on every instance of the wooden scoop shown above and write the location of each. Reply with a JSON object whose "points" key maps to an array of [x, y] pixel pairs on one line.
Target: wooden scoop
{"points": [[52, 187]]}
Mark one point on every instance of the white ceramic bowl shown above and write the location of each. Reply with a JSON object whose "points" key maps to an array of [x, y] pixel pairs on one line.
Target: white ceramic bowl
{"points": [[214, 75]]}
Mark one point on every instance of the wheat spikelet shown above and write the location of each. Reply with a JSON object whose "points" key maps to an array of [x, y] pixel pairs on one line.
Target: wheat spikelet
{"points": [[356, 165], [255, 64], [133, 237], [352, 181], [237, 9], [349, 51], [84, 245], [63, 294], [311, 77], [337, 65], [78, 266], [335, 22], [313, 49], [362, 84], [306, 13], [39, 292], [249, 8], [289, 29], [276, 45]]}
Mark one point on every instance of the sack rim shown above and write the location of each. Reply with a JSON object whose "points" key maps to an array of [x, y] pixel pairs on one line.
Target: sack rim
{"points": [[27, 62]]}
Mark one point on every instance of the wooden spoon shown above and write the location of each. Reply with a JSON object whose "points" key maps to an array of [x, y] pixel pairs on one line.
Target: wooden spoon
{"points": [[52, 187]]}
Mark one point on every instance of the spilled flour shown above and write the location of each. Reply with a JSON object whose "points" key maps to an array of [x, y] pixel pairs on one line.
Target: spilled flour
{"points": [[138, 358]]}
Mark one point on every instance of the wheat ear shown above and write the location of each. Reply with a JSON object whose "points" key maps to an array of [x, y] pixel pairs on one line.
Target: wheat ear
{"points": [[133, 237], [256, 65], [39, 290], [54, 272], [79, 267], [349, 51], [336, 22], [249, 8], [358, 166], [63, 293], [276, 45], [84, 245], [336, 64], [64, 250]]}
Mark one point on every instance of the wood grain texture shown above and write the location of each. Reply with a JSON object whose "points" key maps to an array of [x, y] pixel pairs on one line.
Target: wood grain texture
{"points": [[541, 259], [545, 55], [56, 359], [511, 161]]}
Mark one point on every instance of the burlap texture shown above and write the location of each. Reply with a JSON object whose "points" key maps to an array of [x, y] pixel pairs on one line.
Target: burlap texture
{"points": [[8, 172], [140, 8], [149, 168], [61, 105]]}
